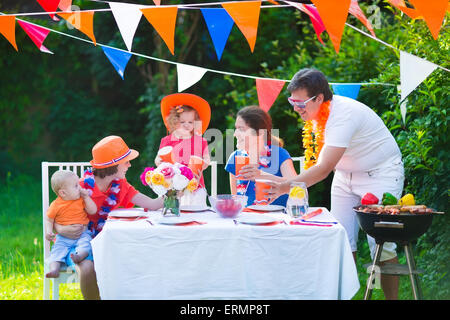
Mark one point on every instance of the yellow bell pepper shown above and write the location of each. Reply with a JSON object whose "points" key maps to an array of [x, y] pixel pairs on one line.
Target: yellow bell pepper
{"points": [[407, 200]]}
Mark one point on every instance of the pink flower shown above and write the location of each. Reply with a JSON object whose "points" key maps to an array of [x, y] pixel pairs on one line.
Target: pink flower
{"points": [[185, 171], [168, 172], [143, 175]]}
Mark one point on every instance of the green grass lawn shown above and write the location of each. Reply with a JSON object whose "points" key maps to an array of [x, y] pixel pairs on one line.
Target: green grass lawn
{"points": [[21, 265]]}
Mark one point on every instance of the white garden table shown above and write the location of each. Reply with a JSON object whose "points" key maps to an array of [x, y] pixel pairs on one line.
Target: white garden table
{"points": [[224, 260]]}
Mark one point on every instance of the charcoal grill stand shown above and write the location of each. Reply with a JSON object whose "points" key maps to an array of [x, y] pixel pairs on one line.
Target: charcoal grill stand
{"points": [[411, 270]]}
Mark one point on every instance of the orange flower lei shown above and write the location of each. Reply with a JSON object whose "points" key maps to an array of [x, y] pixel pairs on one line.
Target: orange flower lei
{"points": [[313, 135]]}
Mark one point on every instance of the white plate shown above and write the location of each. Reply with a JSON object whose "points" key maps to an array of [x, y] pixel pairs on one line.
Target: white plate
{"points": [[175, 220], [194, 208], [269, 207], [249, 218], [126, 213]]}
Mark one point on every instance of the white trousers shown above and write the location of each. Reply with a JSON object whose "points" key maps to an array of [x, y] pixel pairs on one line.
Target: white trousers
{"points": [[347, 190]]}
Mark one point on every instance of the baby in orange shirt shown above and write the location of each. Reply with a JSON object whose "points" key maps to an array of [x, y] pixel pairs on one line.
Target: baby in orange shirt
{"points": [[70, 207]]}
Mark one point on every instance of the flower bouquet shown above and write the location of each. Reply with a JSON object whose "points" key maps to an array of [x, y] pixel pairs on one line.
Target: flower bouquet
{"points": [[167, 180]]}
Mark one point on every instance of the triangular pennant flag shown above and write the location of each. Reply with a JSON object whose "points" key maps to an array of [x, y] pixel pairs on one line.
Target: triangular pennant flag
{"points": [[50, 6], [246, 16], [219, 25], [188, 75], [400, 5], [157, 2], [413, 71], [65, 5], [433, 12], [83, 21], [127, 18], [314, 16], [334, 15], [346, 90], [8, 29], [268, 91], [356, 11], [163, 19], [118, 58], [36, 33]]}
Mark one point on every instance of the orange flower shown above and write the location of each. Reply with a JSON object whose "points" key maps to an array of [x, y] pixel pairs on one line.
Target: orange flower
{"points": [[314, 135]]}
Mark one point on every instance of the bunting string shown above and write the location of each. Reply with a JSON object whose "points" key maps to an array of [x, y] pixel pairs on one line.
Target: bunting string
{"points": [[176, 63]]}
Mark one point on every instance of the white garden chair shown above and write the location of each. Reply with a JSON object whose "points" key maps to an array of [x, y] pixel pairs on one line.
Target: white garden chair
{"points": [[301, 161], [68, 275]]}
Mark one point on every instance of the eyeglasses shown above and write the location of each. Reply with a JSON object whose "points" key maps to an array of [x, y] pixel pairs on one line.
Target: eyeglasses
{"points": [[299, 103]]}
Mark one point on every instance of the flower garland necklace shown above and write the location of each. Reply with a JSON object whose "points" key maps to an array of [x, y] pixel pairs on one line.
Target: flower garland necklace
{"points": [[314, 135], [108, 204]]}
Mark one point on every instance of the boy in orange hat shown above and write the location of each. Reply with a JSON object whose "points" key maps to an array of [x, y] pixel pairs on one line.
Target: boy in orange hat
{"points": [[109, 189], [70, 207], [186, 117]]}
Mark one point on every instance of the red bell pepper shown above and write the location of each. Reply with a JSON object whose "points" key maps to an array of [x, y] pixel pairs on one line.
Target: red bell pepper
{"points": [[369, 198]]}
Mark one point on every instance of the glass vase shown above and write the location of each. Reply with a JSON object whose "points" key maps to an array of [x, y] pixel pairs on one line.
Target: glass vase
{"points": [[171, 203]]}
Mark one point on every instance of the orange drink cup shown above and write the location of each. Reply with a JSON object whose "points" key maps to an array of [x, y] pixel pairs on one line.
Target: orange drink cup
{"points": [[240, 161], [261, 189], [195, 164], [166, 154]]}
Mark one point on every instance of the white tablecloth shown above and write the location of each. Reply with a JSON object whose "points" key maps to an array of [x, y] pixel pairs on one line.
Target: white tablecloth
{"points": [[222, 260]]}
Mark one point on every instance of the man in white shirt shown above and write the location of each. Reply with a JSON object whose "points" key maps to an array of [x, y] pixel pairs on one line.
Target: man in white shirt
{"points": [[361, 150]]}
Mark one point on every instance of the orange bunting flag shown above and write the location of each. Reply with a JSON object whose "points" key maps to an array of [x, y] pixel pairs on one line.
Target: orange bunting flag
{"points": [[65, 5], [356, 11], [8, 29], [268, 91], [410, 12], [433, 12], [83, 21], [334, 15], [246, 16], [163, 19]]}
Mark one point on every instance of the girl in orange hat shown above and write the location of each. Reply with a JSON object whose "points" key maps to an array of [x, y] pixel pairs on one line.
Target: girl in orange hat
{"points": [[187, 117], [109, 189]]}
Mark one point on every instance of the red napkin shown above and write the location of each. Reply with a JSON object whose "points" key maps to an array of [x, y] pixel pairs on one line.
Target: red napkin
{"points": [[312, 214], [128, 218], [191, 223]]}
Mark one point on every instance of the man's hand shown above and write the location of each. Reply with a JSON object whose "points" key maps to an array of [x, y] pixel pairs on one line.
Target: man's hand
{"points": [[277, 189], [84, 192], [49, 236]]}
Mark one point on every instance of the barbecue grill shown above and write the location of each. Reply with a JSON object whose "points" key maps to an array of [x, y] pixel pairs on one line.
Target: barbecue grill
{"points": [[401, 228]]}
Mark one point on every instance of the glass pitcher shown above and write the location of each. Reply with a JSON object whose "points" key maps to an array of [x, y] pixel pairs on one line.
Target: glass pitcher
{"points": [[297, 203]]}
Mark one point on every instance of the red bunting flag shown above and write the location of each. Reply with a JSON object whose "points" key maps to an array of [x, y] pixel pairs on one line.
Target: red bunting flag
{"points": [[83, 21], [268, 91], [314, 16], [246, 16], [163, 19], [50, 6], [356, 11], [36, 33], [8, 29], [433, 12], [334, 15]]}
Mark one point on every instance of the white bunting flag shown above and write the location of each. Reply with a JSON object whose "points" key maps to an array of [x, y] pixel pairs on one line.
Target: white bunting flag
{"points": [[127, 18], [413, 71], [188, 75]]}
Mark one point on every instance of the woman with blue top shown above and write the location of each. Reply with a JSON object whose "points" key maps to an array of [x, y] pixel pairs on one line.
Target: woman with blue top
{"points": [[268, 160]]}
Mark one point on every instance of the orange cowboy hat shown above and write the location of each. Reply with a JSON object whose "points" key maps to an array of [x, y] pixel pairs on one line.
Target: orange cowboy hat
{"points": [[111, 151], [186, 99]]}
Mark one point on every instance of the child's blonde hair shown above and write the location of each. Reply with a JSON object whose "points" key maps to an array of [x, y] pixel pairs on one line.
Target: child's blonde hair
{"points": [[59, 178], [174, 116]]}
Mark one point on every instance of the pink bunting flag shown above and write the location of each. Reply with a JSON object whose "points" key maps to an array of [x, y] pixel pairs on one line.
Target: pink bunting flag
{"points": [[36, 33], [356, 11], [313, 14], [268, 91], [50, 6]]}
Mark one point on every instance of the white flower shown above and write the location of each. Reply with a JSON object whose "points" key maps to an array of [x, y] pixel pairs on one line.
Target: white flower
{"points": [[159, 190], [179, 182]]}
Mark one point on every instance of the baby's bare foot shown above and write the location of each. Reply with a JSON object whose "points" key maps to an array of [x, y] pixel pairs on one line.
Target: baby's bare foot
{"points": [[78, 257], [52, 274]]}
